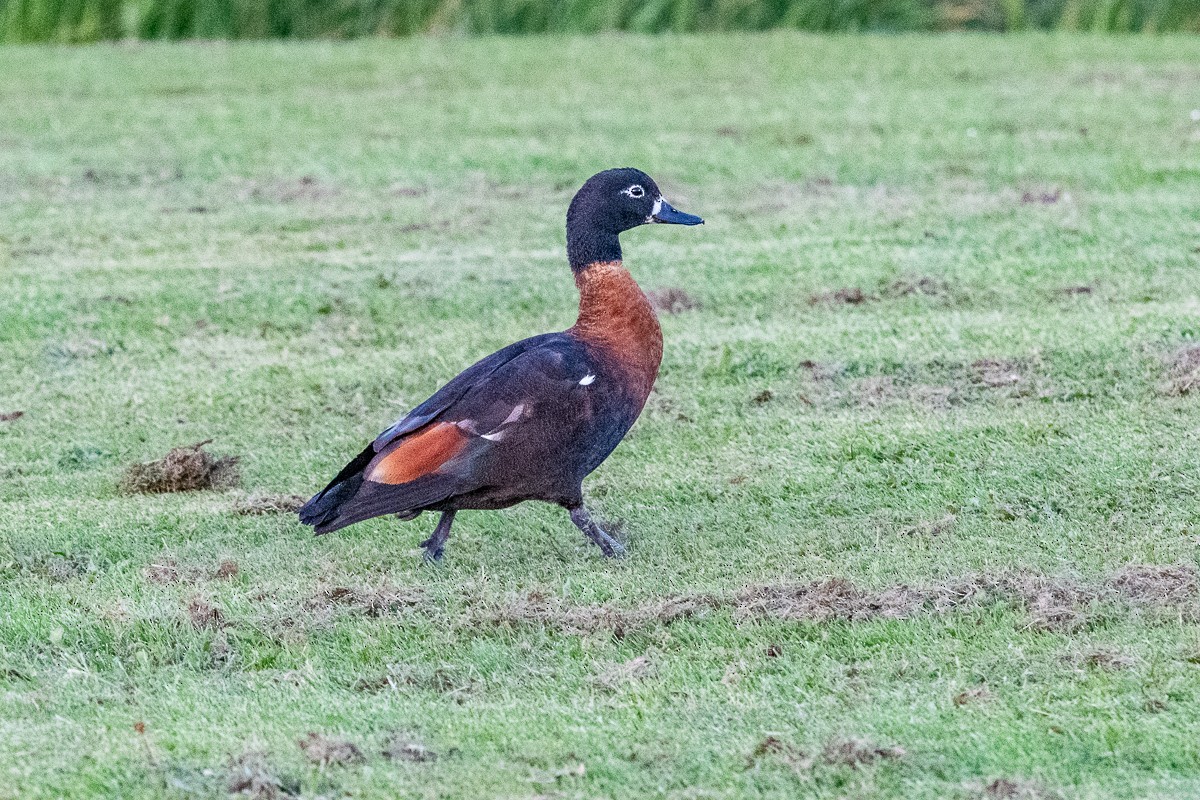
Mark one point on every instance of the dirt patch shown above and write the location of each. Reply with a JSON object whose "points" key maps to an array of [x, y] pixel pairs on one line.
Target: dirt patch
{"points": [[1157, 585], [763, 397], [183, 469], [167, 571], [1008, 789], [1106, 658], [974, 696], [672, 300], [1050, 603], [402, 747], [204, 615], [918, 285], [259, 504], [778, 750], [997, 373], [848, 296], [855, 753], [306, 188], [1183, 372], [932, 528], [618, 675], [163, 572], [535, 608], [250, 775], [1077, 291], [376, 602], [326, 750], [10, 416], [1041, 197], [875, 390]]}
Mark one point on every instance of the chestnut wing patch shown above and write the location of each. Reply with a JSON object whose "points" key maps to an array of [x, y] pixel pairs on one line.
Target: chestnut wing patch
{"points": [[486, 414], [419, 454]]}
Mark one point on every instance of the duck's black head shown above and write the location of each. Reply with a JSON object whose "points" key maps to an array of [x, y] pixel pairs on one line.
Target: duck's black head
{"points": [[610, 203]]}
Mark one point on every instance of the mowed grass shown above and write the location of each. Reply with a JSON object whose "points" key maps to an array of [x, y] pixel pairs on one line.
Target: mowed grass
{"points": [[284, 247]]}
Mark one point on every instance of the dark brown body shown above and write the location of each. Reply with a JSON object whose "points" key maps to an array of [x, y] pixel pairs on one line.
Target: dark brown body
{"points": [[536, 432]]}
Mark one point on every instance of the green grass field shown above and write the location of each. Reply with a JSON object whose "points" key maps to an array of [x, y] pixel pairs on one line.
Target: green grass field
{"points": [[937, 540]]}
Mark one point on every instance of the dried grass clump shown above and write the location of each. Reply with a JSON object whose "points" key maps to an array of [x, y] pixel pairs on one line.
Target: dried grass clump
{"points": [[249, 775], [1183, 372], [779, 750], [258, 504], [997, 373], [326, 750], [401, 747], [847, 296], [1107, 658], [672, 300], [976, 694], [1006, 789], [1157, 584], [1050, 603], [922, 285], [857, 752], [203, 614], [184, 469], [617, 675], [375, 602]]}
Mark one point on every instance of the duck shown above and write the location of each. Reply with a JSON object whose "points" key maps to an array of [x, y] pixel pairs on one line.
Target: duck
{"points": [[532, 420]]}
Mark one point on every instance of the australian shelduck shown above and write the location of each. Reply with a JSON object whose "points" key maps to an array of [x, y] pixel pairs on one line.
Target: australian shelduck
{"points": [[531, 421]]}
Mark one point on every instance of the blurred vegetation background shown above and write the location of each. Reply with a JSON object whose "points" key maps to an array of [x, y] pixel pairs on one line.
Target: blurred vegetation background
{"points": [[70, 21]]}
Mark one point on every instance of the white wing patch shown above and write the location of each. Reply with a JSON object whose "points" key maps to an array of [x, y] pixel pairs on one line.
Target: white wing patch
{"points": [[515, 415], [586, 380]]}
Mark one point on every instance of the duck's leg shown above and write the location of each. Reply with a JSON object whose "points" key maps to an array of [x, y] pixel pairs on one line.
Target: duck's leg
{"points": [[436, 543], [583, 520]]}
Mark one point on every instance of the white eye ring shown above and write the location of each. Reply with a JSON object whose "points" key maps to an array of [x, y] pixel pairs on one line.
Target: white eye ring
{"points": [[634, 191]]}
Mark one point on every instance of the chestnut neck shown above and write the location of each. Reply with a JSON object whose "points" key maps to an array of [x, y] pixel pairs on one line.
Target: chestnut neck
{"points": [[616, 316]]}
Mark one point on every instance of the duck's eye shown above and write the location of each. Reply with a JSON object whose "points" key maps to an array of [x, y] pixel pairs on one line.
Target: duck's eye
{"points": [[635, 191]]}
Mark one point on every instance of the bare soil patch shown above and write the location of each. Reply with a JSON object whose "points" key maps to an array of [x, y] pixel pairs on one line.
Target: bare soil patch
{"points": [[10, 416], [259, 504], [672, 300], [326, 750], [183, 469]]}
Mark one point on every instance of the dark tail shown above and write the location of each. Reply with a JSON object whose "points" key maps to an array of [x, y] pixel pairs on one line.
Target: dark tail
{"points": [[349, 499], [321, 511]]}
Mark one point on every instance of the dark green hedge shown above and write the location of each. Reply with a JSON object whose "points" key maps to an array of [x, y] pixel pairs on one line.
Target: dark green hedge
{"points": [[93, 20]]}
